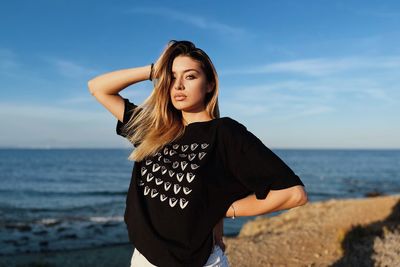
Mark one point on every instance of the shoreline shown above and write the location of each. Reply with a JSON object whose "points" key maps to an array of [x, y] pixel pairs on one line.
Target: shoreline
{"points": [[316, 234]]}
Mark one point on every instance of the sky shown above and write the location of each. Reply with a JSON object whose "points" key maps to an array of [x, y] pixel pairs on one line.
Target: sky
{"points": [[297, 74]]}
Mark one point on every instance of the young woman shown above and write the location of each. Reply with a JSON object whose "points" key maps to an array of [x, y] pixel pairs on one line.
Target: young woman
{"points": [[191, 167]]}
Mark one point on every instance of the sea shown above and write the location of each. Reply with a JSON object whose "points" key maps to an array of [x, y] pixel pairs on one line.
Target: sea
{"points": [[67, 199]]}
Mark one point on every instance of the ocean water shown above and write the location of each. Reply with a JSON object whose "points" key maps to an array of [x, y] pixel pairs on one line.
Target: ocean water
{"points": [[58, 199]]}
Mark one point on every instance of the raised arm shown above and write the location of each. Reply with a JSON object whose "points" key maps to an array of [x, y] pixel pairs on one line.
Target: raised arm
{"points": [[276, 200], [105, 87]]}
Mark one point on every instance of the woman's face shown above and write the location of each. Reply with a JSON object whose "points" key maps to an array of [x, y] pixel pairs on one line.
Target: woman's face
{"points": [[189, 80]]}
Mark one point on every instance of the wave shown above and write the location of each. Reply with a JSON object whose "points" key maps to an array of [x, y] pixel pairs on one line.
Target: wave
{"points": [[95, 219], [57, 221], [7, 208], [102, 219], [32, 192]]}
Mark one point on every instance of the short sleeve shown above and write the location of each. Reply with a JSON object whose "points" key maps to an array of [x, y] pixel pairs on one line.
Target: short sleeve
{"points": [[252, 163], [129, 107]]}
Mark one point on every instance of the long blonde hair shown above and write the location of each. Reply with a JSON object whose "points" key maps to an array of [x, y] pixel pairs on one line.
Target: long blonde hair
{"points": [[156, 122]]}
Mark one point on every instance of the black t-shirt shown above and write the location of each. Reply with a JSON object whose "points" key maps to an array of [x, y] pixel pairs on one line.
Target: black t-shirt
{"points": [[178, 195]]}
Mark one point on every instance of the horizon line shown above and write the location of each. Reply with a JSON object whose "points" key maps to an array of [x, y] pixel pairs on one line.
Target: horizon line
{"points": [[270, 147]]}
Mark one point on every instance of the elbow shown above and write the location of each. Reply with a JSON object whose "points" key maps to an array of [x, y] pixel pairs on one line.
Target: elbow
{"points": [[300, 196], [90, 87]]}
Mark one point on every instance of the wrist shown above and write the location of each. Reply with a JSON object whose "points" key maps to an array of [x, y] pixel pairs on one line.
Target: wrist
{"points": [[231, 212], [151, 72]]}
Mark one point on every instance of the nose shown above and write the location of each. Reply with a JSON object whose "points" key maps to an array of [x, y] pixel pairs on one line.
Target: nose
{"points": [[178, 84]]}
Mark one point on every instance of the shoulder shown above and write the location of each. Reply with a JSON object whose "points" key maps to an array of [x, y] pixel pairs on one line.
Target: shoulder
{"points": [[234, 133], [229, 128], [129, 106], [230, 124]]}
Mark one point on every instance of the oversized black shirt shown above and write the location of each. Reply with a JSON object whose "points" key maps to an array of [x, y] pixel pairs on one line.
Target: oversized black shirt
{"points": [[178, 195]]}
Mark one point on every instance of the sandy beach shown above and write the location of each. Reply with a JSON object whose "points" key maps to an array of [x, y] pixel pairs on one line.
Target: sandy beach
{"points": [[349, 232]]}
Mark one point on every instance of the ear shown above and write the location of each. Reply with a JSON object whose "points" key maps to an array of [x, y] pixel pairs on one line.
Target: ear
{"points": [[210, 87]]}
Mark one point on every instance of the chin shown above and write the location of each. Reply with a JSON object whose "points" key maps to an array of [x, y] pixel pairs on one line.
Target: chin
{"points": [[177, 106], [185, 106], [180, 106]]}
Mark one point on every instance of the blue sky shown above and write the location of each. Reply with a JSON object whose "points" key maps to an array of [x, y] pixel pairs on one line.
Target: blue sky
{"points": [[298, 74]]}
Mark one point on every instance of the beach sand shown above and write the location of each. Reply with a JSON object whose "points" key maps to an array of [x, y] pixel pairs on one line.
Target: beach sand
{"points": [[349, 232]]}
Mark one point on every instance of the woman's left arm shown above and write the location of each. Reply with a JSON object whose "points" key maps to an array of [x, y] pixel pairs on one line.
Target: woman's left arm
{"points": [[276, 200]]}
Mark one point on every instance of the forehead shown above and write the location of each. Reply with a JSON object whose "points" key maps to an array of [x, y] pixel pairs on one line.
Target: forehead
{"points": [[184, 63]]}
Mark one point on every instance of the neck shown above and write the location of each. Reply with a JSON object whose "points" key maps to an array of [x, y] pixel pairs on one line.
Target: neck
{"points": [[195, 117]]}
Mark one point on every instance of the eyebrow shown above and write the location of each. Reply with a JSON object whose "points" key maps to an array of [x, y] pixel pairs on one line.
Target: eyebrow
{"points": [[188, 70]]}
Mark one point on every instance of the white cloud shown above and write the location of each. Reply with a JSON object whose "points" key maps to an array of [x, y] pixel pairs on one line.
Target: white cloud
{"points": [[52, 126], [292, 97], [379, 94], [7, 59], [321, 66], [377, 11], [352, 84], [70, 69], [77, 99], [198, 21], [12, 66], [9, 63], [306, 112], [136, 93], [39, 111]]}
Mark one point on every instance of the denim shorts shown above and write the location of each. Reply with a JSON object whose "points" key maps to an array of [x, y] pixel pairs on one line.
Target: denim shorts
{"points": [[216, 259]]}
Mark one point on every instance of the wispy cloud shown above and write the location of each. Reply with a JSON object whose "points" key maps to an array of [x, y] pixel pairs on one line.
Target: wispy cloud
{"points": [[320, 66], [277, 106], [379, 94], [297, 91], [381, 13], [306, 112], [378, 11], [12, 65], [366, 84], [40, 111], [137, 93], [8, 62], [77, 100], [195, 20], [38, 125], [69, 68]]}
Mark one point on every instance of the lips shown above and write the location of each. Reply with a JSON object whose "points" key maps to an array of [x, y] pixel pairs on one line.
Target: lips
{"points": [[179, 97]]}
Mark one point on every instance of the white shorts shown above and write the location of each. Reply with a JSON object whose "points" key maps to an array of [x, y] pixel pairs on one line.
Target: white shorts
{"points": [[216, 259]]}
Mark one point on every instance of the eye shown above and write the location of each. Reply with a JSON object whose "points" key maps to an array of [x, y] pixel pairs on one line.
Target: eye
{"points": [[191, 76]]}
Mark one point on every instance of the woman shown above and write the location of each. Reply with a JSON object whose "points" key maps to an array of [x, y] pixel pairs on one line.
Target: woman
{"points": [[191, 168]]}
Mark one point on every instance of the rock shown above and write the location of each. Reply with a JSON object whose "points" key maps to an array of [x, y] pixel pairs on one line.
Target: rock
{"points": [[69, 236], [20, 227], [374, 194], [323, 233], [43, 243], [42, 232]]}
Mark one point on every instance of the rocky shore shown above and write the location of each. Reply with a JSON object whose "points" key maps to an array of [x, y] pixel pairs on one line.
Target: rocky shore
{"points": [[350, 232]]}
